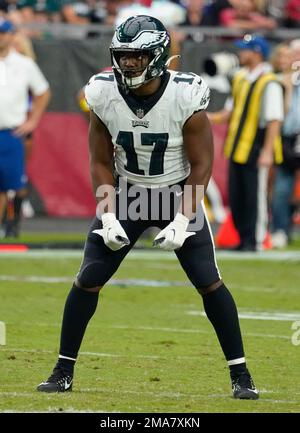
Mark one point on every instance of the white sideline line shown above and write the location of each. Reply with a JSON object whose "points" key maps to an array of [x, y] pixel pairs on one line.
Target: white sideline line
{"points": [[102, 355], [159, 329], [177, 394], [263, 315], [142, 328], [158, 255], [132, 282], [35, 279], [193, 331], [112, 282]]}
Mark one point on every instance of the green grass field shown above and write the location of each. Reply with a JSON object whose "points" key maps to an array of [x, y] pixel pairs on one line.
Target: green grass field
{"points": [[147, 349]]}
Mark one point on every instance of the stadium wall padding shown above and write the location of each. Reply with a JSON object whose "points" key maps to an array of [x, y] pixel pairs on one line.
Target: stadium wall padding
{"points": [[59, 166]]}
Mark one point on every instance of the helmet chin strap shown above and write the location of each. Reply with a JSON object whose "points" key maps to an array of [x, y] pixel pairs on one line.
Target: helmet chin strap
{"points": [[135, 82]]}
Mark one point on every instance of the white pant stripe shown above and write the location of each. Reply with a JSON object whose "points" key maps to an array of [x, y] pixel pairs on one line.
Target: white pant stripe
{"points": [[236, 361], [67, 357]]}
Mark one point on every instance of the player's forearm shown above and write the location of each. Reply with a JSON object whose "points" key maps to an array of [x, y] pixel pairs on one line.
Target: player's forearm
{"points": [[196, 186], [103, 185]]}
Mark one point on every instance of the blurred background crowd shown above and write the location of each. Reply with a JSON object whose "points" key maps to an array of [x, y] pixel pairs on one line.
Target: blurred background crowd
{"points": [[241, 14], [69, 40]]}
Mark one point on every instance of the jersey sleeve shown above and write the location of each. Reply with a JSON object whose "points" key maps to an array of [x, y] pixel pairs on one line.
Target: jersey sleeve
{"points": [[97, 93], [37, 81], [100, 93], [92, 92], [195, 97]]}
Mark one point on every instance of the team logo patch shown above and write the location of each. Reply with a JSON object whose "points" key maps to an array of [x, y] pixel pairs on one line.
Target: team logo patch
{"points": [[140, 113], [144, 123]]}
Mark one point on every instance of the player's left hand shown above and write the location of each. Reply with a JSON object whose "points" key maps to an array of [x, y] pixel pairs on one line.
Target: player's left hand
{"points": [[174, 235], [113, 234], [26, 128]]}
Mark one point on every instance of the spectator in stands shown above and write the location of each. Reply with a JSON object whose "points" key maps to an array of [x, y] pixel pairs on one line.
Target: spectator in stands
{"points": [[196, 13], [214, 10], [272, 8], [169, 13], [34, 11], [50, 10], [96, 11], [284, 182], [255, 113], [20, 77], [244, 15], [113, 7], [8, 9]]}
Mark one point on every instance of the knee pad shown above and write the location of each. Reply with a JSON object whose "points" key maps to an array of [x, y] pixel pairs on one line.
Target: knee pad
{"points": [[94, 274], [203, 274]]}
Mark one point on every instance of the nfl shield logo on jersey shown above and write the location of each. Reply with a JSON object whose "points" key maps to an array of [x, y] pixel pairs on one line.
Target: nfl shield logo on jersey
{"points": [[139, 113]]}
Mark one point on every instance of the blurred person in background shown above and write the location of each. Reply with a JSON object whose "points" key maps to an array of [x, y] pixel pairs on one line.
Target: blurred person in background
{"points": [[9, 10], [215, 8], [113, 8], [197, 13], [245, 15], [282, 210], [51, 11], [171, 14], [255, 112], [17, 203], [272, 8], [20, 77]]}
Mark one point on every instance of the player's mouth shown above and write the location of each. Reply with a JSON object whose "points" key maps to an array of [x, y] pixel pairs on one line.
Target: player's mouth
{"points": [[132, 73]]}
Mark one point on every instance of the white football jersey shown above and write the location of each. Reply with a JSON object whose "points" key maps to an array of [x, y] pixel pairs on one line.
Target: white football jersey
{"points": [[147, 132]]}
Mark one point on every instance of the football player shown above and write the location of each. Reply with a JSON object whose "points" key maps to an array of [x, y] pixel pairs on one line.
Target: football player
{"points": [[155, 120]]}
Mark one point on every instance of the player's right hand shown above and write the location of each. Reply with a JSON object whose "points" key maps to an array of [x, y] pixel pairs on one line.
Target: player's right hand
{"points": [[113, 234]]}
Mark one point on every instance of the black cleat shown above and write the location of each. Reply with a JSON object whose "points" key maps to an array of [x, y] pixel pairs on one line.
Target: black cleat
{"points": [[243, 387], [59, 381]]}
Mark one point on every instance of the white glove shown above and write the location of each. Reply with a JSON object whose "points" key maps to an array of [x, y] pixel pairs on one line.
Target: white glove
{"points": [[113, 234], [173, 236]]}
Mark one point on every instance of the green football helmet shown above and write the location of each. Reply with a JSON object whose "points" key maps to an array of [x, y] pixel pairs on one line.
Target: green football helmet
{"points": [[140, 35]]}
